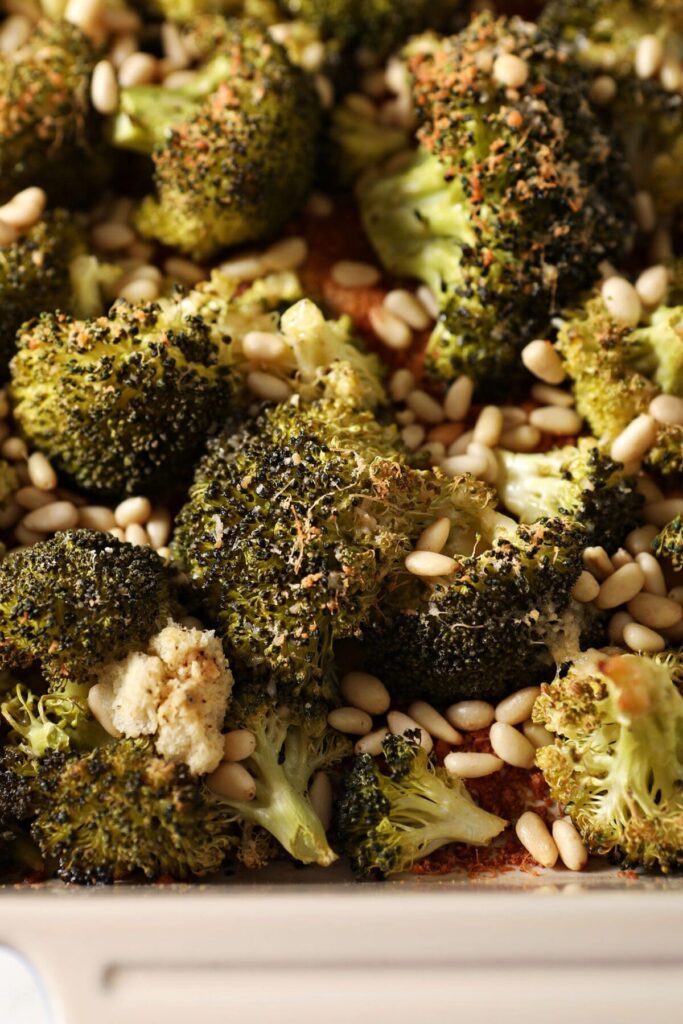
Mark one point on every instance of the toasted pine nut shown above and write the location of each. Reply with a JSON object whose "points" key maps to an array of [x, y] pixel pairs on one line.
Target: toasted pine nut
{"points": [[100, 703], [243, 268], [476, 465], [534, 836], [667, 409], [458, 398], [413, 436], [429, 563], [425, 407], [31, 498], [118, 533], [470, 765], [264, 346], [434, 536], [320, 795], [621, 557], [573, 853], [428, 300], [652, 570], [138, 69], [635, 440], [27, 537], [586, 588], [399, 724], [654, 611], [403, 304], [268, 387], [598, 562], [110, 236], [435, 724], [662, 512], [541, 359], [139, 289], [41, 473], [350, 720], [184, 270], [366, 692], [617, 624], [652, 285], [238, 745], [649, 56], [8, 235], [24, 209], [489, 426], [96, 517], [354, 275], [401, 384], [640, 541], [516, 708], [232, 781], [461, 444], [622, 301], [523, 438], [621, 586], [389, 328], [446, 433], [470, 715], [641, 638], [286, 255], [16, 30], [52, 518], [104, 88], [537, 735], [510, 70], [133, 510], [509, 744], [137, 535], [158, 527], [556, 419], [372, 743]]}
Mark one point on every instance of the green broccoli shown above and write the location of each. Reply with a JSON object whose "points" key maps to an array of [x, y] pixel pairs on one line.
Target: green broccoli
{"points": [[40, 724], [48, 128], [617, 761], [510, 202], [358, 142], [579, 481], [233, 150], [669, 543], [388, 820], [122, 403], [292, 743], [80, 600]]}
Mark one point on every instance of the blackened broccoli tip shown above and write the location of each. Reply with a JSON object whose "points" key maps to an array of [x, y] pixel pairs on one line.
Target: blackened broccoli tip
{"points": [[293, 742], [578, 481], [615, 764], [46, 109], [121, 403], [79, 600], [233, 151], [668, 544], [512, 199], [389, 819]]}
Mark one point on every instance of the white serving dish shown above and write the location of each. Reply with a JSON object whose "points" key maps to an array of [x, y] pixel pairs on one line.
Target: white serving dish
{"points": [[314, 947]]}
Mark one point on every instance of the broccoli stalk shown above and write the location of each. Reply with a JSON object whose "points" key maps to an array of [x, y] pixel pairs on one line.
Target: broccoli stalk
{"points": [[389, 820]]}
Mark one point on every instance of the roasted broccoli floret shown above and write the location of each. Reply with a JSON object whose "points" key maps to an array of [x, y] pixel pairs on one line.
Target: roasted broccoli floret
{"points": [[617, 761], [42, 723], [121, 810], [487, 629], [122, 403], [359, 142], [603, 35], [79, 600], [233, 150], [48, 128], [293, 742], [292, 526], [388, 820], [511, 201], [669, 543], [580, 482], [618, 370]]}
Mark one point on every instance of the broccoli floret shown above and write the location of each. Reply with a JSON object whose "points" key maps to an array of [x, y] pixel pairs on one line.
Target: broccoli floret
{"points": [[579, 481], [48, 128], [617, 371], [388, 820], [49, 722], [490, 627], [293, 742], [359, 142], [121, 810], [123, 403], [293, 524], [233, 151], [511, 201], [79, 600], [617, 761], [669, 543]]}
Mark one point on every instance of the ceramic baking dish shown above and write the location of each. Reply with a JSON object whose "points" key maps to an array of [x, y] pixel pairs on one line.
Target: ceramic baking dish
{"points": [[307, 947]]}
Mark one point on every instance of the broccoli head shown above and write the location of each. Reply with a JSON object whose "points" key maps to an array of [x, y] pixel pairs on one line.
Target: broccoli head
{"points": [[293, 742], [616, 764], [580, 482], [48, 127], [121, 403], [512, 198], [388, 820], [43, 723], [669, 543], [233, 150], [120, 811], [79, 600]]}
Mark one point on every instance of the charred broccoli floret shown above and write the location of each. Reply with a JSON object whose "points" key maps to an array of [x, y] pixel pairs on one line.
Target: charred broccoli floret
{"points": [[233, 150], [617, 761], [388, 820], [293, 742], [122, 403], [669, 543], [580, 482], [511, 201], [48, 128], [79, 600]]}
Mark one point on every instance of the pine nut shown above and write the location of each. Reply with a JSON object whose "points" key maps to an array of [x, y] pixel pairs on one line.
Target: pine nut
{"points": [[655, 611], [138, 69], [573, 853], [510, 71], [372, 743], [524, 438], [456, 465], [434, 536], [541, 359], [52, 518], [667, 409], [320, 795], [122, 46], [10, 513], [617, 624], [243, 268], [104, 88], [662, 512], [536, 839], [26, 536], [86, 14], [139, 289], [232, 781], [511, 745], [435, 724], [642, 638], [621, 557], [173, 46], [645, 213], [96, 517], [403, 304], [399, 724], [413, 436], [547, 395], [489, 426], [184, 270], [110, 236], [16, 30], [586, 588], [556, 419], [14, 449], [238, 745], [429, 301], [8, 235], [133, 510], [350, 720], [603, 89], [137, 535], [158, 527], [621, 301], [429, 563], [389, 328], [537, 735], [268, 387], [24, 209], [445, 433], [513, 416], [460, 446], [286, 255], [31, 498], [100, 703], [471, 765], [481, 451], [425, 407], [652, 285], [649, 56], [516, 708], [349, 274], [264, 346], [458, 398], [598, 562], [470, 715], [621, 586], [637, 438], [652, 570], [401, 384], [366, 692], [118, 533], [671, 75], [649, 489], [639, 541]]}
